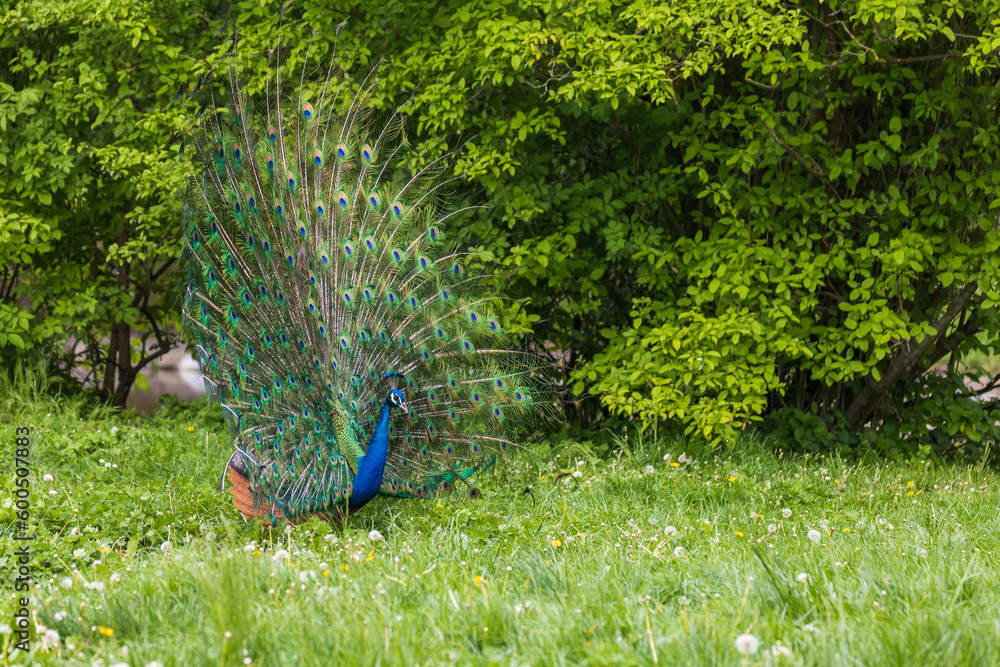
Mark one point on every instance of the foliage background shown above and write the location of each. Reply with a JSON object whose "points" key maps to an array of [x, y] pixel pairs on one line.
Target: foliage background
{"points": [[720, 213]]}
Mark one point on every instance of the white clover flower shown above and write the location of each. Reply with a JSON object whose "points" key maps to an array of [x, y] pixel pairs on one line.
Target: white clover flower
{"points": [[787, 513], [67, 582], [114, 430], [802, 577], [60, 616], [747, 644], [250, 547], [47, 477], [577, 474], [375, 536], [51, 638], [579, 464], [779, 651], [53, 492], [814, 536], [74, 531], [95, 585], [678, 552], [115, 577], [649, 470], [670, 531], [809, 627]]}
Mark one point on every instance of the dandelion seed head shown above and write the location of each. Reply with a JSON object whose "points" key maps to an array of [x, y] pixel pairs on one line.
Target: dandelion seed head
{"points": [[747, 644]]}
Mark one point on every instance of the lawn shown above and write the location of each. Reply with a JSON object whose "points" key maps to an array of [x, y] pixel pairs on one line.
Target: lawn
{"points": [[634, 553]]}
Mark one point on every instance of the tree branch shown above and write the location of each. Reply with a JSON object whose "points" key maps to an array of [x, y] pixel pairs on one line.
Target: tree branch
{"points": [[815, 169], [864, 402]]}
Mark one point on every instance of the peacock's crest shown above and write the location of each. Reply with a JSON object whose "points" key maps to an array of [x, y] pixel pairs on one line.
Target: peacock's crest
{"points": [[324, 295]]}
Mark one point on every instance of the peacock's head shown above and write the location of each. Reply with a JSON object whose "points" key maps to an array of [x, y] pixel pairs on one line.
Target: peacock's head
{"points": [[396, 399]]}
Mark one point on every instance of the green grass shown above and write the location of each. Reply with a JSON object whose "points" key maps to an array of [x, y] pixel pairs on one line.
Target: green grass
{"points": [[578, 571]]}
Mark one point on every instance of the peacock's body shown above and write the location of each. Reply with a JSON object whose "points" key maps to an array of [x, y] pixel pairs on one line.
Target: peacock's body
{"points": [[354, 350]]}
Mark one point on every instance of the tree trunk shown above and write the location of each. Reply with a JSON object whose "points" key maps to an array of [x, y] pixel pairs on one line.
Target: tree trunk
{"points": [[119, 374]]}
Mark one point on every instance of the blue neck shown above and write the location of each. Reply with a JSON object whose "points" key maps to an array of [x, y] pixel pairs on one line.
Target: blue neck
{"points": [[371, 466]]}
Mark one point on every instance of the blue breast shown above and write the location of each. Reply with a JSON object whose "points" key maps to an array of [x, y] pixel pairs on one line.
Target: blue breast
{"points": [[371, 466]]}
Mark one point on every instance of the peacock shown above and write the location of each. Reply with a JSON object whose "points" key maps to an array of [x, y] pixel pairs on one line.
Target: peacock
{"points": [[355, 349]]}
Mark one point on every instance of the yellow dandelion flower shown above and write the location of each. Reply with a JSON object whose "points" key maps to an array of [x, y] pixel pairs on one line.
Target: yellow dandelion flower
{"points": [[909, 493], [326, 573], [190, 429], [732, 478], [836, 481], [478, 580], [675, 464], [556, 543], [440, 505], [739, 533], [909, 485], [919, 492], [107, 632], [847, 530], [104, 550], [371, 555]]}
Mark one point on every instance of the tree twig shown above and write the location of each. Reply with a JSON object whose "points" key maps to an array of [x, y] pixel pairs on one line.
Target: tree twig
{"points": [[815, 169]]}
